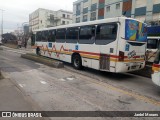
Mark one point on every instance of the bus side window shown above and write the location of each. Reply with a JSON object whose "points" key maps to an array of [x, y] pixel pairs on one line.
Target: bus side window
{"points": [[60, 35], [87, 34], [46, 33], [72, 35], [52, 36], [44, 37], [106, 33], [38, 36]]}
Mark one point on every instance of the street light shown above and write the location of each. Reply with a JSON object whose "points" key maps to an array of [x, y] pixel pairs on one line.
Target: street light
{"points": [[23, 24], [2, 23]]}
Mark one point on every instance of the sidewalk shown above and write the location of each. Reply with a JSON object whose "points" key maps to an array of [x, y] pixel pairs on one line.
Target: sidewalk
{"points": [[26, 50], [13, 99]]}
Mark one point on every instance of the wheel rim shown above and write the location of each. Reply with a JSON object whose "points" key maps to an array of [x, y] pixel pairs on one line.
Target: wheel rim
{"points": [[76, 61]]}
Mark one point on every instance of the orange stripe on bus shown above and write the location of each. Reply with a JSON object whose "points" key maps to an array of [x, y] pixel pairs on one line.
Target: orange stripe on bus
{"points": [[86, 54]]}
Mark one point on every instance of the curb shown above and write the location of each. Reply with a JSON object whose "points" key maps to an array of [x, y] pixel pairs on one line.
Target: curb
{"points": [[43, 60]]}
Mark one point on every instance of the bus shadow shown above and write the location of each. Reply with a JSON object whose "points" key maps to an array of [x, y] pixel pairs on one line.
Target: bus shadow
{"points": [[108, 75]]}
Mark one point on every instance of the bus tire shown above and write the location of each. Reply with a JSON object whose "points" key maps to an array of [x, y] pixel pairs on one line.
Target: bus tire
{"points": [[38, 51], [77, 62]]}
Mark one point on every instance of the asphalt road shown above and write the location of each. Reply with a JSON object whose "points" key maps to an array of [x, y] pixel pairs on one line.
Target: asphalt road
{"points": [[67, 89]]}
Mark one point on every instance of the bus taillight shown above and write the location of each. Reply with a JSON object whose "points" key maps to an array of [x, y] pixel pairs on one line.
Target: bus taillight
{"points": [[121, 56]]}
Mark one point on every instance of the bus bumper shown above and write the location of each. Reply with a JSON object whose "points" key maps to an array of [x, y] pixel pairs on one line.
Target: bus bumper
{"points": [[129, 67]]}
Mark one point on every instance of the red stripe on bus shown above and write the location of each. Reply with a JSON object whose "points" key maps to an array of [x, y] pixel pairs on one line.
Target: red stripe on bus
{"points": [[90, 53], [156, 65]]}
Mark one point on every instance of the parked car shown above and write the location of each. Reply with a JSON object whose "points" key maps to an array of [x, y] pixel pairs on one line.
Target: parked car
{"points": [[156, 69]]}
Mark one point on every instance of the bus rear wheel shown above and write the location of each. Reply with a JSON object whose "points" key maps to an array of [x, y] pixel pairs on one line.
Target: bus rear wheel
{"points": [[77, 62], [38, 51]]}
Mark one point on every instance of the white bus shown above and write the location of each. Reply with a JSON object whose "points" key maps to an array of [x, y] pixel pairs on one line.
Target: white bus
{"points": [[114, 45], [156, 69]]}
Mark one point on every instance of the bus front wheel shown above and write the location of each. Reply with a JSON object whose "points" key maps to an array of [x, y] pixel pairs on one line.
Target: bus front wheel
{"points": [[38, 51], [77, 62]]}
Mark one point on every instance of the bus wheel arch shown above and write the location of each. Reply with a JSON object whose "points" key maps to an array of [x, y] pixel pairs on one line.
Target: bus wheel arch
{"points": [[77, 61]]}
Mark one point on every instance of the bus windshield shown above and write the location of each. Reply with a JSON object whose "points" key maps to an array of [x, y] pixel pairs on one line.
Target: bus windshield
{"points": [[157, 58], [135, 31], [152, 43]]}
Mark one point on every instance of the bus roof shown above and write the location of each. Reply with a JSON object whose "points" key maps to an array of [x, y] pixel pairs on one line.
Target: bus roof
{"points": [[116, 19]]}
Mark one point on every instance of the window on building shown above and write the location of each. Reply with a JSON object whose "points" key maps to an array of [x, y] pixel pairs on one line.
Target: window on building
{"points": [[108, 9], [78, 20], [106, 33], [67, 22], [87, 32], [52, 36], [85, 18], [60, 34], [93, 16], [78, 7], [63, 22], [63, 15], [85, 10], [118, 6], [68, 16], [72, 33], [41, 21], [85, 1]]}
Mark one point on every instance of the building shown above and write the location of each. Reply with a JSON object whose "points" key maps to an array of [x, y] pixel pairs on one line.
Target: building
{"points": [[26, 29], [145, 10], [43, 18]]}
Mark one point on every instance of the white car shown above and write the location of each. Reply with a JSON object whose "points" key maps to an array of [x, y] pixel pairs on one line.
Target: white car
{"points": [[156, 69]]}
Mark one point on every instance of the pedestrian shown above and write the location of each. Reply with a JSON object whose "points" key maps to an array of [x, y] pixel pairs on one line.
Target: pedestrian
{"points": [[19, 43], [25, 44]]}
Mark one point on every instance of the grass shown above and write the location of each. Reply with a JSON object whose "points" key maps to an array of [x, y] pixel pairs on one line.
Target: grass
{"points": [[10, 45]]}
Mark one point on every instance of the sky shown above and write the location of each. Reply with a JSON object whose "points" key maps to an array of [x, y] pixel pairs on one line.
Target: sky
{"points": [[16, 12]]}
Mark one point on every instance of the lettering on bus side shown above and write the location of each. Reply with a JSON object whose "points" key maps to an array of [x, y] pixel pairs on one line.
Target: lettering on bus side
{"points": [[131, 54]]}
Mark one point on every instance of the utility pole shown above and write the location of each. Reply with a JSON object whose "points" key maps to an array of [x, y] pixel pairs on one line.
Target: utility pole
{"points": [[2, 24]]}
